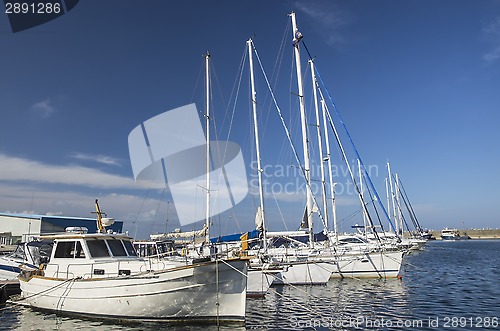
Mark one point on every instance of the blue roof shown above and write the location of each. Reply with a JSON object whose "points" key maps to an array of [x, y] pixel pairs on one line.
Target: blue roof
{"points": [[89, 223], [66, 221]]}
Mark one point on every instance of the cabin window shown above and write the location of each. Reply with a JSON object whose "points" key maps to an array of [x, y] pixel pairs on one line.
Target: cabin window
{"points": [[79, 252], [64, 248], [69, 250], [98, 248], [130, 248], [116, 247], [162, 248]]}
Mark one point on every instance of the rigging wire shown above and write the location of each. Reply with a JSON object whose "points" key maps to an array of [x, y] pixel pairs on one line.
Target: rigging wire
{"points": [[411, 211], [287, 131], [350, 140], [156, 211]]}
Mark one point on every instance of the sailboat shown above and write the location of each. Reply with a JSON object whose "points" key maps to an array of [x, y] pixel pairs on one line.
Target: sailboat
{"points": [[293, 268], [328, 258]]}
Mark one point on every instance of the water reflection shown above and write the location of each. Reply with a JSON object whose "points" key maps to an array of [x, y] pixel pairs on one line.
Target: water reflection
{"points": [[22, 318], [447, 280], [339, 303]]}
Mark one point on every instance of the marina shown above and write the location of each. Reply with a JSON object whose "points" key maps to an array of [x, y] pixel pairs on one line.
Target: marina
{"points": [[224, 252], [434, 293]]}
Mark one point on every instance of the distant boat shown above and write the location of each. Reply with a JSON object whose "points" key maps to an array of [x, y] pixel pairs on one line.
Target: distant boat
{"points": [[450, 234], [425, 234]]}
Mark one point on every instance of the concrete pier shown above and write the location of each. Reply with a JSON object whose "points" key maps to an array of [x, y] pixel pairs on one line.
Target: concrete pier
{"points": [[473, 233]]}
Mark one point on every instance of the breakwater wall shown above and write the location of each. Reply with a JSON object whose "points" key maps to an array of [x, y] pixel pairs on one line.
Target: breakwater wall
{"points": [[473, 233]]}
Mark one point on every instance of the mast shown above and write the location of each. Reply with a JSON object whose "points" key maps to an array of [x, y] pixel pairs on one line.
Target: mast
{"points": [[351, 173], [207, 117], [332, 184], [100, 226], [387, 196], [398, 200], [393, 202], [257, 144], [320, 144], [309, 202], [365, 225]]}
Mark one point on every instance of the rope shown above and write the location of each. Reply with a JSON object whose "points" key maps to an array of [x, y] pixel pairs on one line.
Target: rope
{"points": [[50, 288], [217, 289]]}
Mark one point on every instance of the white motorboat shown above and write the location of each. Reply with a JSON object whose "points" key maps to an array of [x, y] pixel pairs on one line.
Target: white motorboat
{"points": [[101, 275], [27, 255], [450, 234]]}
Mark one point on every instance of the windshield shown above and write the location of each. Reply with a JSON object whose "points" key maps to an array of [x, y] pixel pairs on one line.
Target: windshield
{"points": [[19, 252], [39, 252]]}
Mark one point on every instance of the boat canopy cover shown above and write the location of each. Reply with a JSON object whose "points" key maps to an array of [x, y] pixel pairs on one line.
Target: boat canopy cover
{"points": [[283, 241], [235, 237]]}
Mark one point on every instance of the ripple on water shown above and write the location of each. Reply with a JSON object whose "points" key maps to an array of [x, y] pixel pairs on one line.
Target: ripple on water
{"points": [[453, 279]]}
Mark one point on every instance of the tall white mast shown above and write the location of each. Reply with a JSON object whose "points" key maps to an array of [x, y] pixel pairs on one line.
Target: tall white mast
{"points": [[365, 216], [309, 206], [388, 200], [329, 159], [207, 117], [392, 196], [320, 145], [398, 201], [257, 144]]}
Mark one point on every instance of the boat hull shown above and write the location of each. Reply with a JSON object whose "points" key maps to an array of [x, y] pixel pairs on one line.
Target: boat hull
{"points": [[381, 264], [190, 293], [307, 272], [8, 271], [258, 282], [450, 237]]}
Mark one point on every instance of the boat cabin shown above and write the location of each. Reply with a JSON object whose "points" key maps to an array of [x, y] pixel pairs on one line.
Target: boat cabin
{"points": [[92, 255]]}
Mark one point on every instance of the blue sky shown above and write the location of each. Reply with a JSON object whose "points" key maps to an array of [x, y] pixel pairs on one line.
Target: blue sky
{"points": [[417, 83]]}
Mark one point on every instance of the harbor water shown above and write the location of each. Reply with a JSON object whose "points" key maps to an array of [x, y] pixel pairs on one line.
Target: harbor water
{"points": [[449, 285]]}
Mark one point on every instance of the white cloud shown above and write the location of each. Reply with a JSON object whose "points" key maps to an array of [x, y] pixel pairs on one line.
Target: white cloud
{"points": [[493, 55], [19, 169], [44, 108], [491, 32], [104, 159], [327, 18], [140, 215]]}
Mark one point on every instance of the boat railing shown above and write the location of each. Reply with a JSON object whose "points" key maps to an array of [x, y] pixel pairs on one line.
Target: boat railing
{"points": [[98, 269], [159, 265], [224, 250]]}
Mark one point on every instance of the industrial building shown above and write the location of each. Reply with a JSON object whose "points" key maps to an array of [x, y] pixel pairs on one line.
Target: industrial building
{"points": [[22, 227]]}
